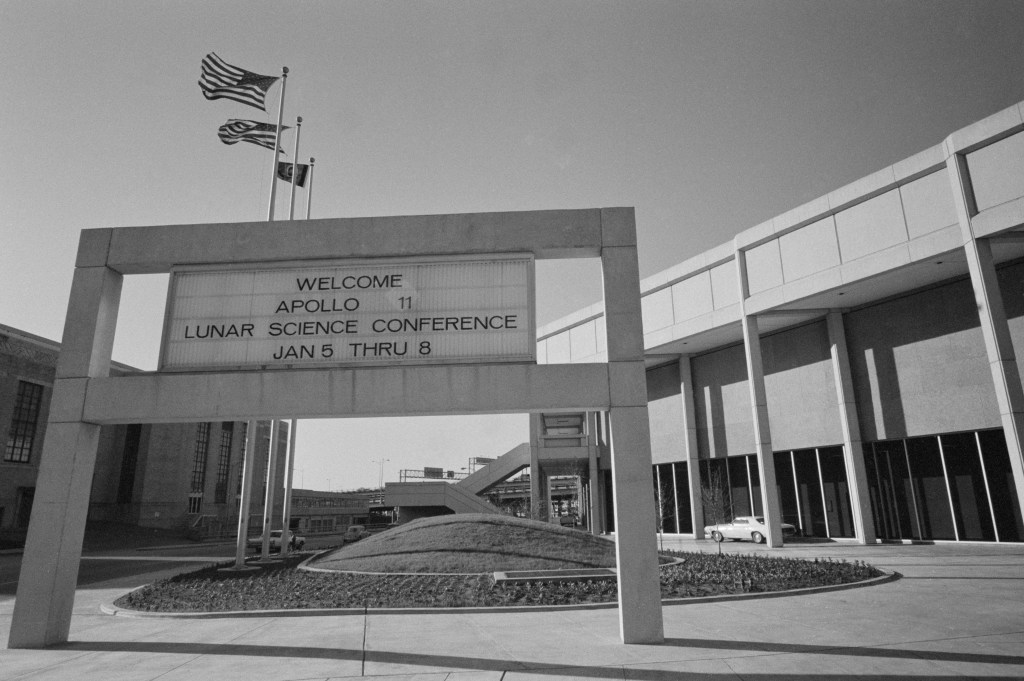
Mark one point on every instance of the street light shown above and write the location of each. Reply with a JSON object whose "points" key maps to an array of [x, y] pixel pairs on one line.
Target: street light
{"points": [[380, 479]]}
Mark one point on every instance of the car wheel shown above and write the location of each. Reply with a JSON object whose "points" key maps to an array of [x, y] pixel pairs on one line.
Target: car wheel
{"points": [[757, 537], [717, 536]]}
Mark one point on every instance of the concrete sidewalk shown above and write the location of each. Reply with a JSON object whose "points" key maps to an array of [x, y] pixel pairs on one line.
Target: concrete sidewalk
{"points": [[957, 613]]}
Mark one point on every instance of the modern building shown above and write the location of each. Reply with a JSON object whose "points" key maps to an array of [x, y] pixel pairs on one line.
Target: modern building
{"points": [[851, 362]]}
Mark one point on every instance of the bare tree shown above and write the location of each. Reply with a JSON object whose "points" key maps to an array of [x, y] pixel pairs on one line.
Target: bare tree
{"points": [[714, 497]]}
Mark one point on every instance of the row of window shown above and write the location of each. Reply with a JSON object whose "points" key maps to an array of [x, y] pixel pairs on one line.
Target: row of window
{"points": [[956, 486]]}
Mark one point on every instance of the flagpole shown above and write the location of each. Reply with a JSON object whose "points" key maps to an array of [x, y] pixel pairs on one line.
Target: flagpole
{"points": [[309, 187], [295, 169], [277, 145]]}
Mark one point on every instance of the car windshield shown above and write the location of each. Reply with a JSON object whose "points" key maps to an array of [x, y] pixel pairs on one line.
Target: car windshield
{"points": [[275, 533], [760, 519]]}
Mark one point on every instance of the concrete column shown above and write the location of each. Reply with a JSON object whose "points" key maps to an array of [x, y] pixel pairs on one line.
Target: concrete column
{"points": [[640, 618], [992, 315], [538, 486], [856, 476], [594, 474], [759, 411], [53, 550], [692, 453]]}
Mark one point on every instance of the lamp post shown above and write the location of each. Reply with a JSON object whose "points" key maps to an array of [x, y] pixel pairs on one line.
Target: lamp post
{"points": [[380, 479]]}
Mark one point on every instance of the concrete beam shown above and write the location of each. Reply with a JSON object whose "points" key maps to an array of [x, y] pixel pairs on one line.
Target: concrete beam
{"points": [[336, 393], [546, 234]]}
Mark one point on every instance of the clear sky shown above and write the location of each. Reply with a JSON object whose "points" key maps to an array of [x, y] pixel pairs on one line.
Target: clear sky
{"points": [[707, 117]]}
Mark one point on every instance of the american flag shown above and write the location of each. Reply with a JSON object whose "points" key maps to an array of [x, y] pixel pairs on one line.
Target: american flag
{"points": [[236, 130], [221, 80]]}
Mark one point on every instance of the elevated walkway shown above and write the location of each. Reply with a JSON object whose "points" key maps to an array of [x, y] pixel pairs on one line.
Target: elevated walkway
{"points": [[437, 497], [498, 471]]}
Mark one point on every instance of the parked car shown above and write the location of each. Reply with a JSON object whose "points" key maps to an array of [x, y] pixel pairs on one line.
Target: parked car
{"points": [[745, 527], [295, 542], [355, 533]]}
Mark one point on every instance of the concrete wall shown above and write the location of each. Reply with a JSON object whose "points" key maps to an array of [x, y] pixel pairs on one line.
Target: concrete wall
{"points": [[665, 410], [919, 365]]}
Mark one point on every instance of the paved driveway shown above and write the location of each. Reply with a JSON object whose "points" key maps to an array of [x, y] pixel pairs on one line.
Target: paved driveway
{"points": [[957, 613]]}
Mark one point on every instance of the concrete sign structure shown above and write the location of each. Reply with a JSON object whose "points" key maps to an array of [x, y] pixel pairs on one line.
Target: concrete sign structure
{"points": [[85, 396], [384, 312]]}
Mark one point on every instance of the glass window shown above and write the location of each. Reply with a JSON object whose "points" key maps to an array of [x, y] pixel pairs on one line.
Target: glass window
{"points": [[199, 460], [126, 484], [227, 431], [809, 493], [683, 497], [787, 492], [971, 511], [836, 492], [930, 492], [1000, 485], [739, 485], [665, 496], [755, 484], [22, 434]]}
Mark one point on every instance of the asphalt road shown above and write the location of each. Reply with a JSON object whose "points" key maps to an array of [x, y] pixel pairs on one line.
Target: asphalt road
{"points": [[125, 564], [95, 569]]}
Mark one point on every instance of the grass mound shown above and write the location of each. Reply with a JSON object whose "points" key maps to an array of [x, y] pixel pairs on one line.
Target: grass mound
{"points": [[472, 543]]}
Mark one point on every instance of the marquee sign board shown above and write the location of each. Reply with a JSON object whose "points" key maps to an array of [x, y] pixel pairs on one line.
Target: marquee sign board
{"points": [[386, 311]]}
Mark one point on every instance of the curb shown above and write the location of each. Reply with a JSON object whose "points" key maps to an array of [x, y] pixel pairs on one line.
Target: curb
{"points": [[111, 609]]}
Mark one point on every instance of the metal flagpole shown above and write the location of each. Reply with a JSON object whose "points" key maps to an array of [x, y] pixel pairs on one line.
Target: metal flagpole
{"points": [[309, 186], [289, 468], [295, 168], [277, 145], [245, 502]]}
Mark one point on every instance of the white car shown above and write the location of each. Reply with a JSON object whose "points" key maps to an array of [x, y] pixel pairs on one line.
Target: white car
{"points": [[750, 527], [296, 542]]}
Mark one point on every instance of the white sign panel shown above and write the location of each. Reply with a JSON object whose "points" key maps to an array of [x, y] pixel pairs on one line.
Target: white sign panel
{"points": [[389, 311]]}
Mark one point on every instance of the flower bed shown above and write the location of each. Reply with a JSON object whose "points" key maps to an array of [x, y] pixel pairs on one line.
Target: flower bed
{"points": [[282, 586]]}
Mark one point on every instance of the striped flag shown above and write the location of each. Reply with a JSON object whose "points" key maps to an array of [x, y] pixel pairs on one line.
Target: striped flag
{"points": [[221, 80], [236, 130], [284, 171]]}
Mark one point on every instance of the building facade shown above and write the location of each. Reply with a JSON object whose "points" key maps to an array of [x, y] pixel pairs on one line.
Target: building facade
{"points": [[850, 364], [184, 476]]}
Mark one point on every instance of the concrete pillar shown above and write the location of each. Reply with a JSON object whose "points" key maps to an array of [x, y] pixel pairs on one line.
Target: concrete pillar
{"points": [[992, 315], [538, 486], [53, 550], [759, 411], [640, 618], [594, 475], [692, 453], [856, 476]]}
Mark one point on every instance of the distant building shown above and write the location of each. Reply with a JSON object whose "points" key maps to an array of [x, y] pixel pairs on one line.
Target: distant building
{"points": [[184, 476]]}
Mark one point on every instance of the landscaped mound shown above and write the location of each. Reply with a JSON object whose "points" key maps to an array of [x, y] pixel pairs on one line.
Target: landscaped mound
{"points": [[472, 543], [429, 544]]}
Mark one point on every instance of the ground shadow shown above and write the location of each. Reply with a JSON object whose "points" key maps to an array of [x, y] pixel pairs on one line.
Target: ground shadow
{"points": [[634, 671]]}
